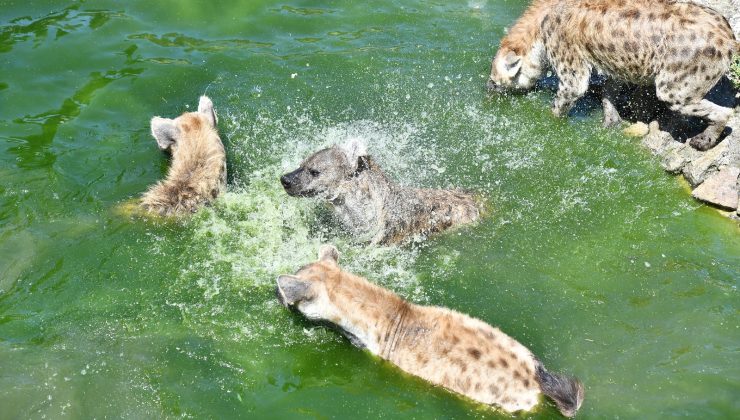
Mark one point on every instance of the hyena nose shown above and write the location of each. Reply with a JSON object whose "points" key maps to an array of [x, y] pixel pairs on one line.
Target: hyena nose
{"points": [[491, 85], [285, 180]]}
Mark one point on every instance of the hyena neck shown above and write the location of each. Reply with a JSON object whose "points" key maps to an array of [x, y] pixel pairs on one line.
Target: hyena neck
{"points": [[201, 157], [376, 321], [526, 32], [361, 200]]}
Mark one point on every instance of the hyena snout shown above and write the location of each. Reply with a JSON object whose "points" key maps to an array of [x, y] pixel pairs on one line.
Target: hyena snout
{"points": [[293, 184], [492, 87], [288, 180]]}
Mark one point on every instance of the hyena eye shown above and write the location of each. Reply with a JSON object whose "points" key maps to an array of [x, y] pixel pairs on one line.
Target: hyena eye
{"points": [[313, 172]]}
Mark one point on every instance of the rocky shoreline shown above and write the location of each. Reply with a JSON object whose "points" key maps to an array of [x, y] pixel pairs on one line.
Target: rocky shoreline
{"points": [[713, 175]]}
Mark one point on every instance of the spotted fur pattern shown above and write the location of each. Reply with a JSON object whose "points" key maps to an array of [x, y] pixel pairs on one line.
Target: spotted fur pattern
{"points": [[681, 48], [442, 346]]}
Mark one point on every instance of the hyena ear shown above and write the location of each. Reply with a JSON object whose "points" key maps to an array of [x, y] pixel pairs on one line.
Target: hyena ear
{"points": [[363, 163], [354, 149], [510, 65], [292, 289], [205, 107], [165, 132], [329, 252]]}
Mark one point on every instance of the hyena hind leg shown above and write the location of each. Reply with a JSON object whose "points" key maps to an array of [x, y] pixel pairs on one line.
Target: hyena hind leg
{"points": [[573, 85], [687, 100], [715, 114]]}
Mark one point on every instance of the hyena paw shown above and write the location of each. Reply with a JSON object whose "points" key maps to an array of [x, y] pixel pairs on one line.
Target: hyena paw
{"points": [[703, 142]]}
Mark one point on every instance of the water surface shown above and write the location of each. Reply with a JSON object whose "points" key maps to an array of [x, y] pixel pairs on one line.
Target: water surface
{"points": [[593, 257]]}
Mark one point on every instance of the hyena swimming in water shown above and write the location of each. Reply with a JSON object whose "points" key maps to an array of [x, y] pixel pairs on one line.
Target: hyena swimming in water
{"points": [[681, 48], [444, 347], [198, 172], [369, 203]]}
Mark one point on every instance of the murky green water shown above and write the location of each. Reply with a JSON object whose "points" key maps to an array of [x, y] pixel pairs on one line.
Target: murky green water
{"points": [[593, 258]]}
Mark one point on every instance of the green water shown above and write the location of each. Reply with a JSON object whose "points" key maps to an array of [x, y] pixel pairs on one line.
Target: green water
{"points": [[593, 257]]}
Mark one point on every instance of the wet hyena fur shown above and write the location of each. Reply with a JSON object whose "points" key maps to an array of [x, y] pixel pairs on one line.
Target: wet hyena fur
{"points": [[442, 346], [681, 48], [369, 204], [198, 171]]}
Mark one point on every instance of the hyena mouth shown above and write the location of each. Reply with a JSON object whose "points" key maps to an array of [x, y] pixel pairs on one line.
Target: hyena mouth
{"points": [[491, 86], [302, 193]]}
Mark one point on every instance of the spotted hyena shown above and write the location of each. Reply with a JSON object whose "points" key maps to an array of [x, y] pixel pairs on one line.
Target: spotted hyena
{"points": [[444, 347], [198, 171], [681, 48], [369, 204]]}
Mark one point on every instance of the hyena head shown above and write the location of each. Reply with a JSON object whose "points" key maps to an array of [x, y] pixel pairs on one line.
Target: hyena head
{"points": [[323, 171], [171, 133], [520, 59], [516, 69], [307, 290]]}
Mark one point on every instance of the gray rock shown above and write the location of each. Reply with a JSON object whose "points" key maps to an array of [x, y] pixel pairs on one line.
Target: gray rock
{"points": [[704, 166], [657, 141], [732, 158], [677, 155], [720, 189]]}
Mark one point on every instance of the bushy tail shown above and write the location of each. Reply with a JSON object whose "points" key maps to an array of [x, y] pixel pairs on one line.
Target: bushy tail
{"points": [[567, 392]]}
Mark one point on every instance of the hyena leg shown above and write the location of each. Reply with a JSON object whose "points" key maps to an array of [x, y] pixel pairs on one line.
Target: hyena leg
{"points": [[573, 85], [717, 116], [688, 101], [611, 90]]}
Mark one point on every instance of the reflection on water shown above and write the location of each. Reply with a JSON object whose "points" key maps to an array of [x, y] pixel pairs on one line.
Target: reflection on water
{"points": [[61, 23], [591, 255], [190, 44], [34, 152]]}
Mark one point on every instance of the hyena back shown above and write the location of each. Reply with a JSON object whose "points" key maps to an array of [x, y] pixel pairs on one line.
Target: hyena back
{"points": [[444, 347], [198, 171], [682, 48]]}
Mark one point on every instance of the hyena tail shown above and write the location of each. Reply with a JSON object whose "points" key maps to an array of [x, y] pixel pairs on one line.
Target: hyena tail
{"points": [[567, 392]]}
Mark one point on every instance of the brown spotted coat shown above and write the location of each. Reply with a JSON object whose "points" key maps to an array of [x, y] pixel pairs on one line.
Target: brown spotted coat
{"points": [[682, 48], [442, 346]]}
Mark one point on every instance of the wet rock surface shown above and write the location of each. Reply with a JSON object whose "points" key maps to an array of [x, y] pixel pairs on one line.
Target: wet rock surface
{"points": [[720, 164], [720, 189], [712, 174]]}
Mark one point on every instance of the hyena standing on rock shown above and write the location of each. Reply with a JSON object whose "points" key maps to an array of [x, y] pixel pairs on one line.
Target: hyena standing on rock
{"points": [[198, 171], [444, 347], [682, 48], [370, 204]]}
